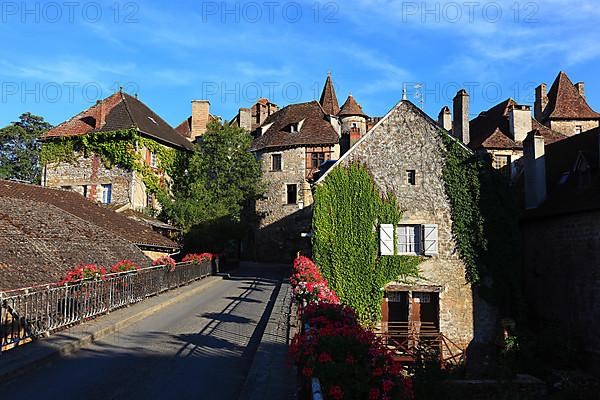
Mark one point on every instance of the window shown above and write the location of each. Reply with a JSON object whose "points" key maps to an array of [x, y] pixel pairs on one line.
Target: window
{"points": [[317, 160], [409, 239], [411, 177], [153, 162], [85, 191], [502, 163], [106, 193], [276, 162], [292, 194], [578, 129], [295, 127]]}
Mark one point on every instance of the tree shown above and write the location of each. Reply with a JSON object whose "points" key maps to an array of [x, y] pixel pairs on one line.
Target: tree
{"points": [[214, 186], [20, 149]]}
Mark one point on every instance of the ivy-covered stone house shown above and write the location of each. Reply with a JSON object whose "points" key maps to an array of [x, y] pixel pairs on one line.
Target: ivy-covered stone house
{"points": [[118, 152], [397, 232]]}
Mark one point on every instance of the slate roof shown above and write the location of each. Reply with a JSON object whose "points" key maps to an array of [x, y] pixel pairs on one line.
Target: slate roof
{"points": [[491, 129], [39, 241], [76, 205], [315, 129], [351, 107], [329, 100], [565, 191], [565, 102], [120, 111]]}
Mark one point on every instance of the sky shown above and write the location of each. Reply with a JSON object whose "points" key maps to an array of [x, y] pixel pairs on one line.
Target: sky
{"points": [[58, 58]]}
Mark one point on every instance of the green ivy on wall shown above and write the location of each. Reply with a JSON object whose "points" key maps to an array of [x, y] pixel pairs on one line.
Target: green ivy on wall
{"points": [[347, 212], [484, 225], [115, 148]]}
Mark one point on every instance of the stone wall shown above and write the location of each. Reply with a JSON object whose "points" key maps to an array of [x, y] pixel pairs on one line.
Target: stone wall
{"points": [[567, 127], [562, 256], [407, 140], [278, 235], [90, 172]]}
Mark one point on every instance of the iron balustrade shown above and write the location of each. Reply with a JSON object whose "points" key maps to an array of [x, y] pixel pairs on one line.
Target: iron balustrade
{"points": [[29, 313]]}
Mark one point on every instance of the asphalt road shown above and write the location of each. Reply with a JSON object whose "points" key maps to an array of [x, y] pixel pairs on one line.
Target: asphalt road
{"points": [[200, 348]]}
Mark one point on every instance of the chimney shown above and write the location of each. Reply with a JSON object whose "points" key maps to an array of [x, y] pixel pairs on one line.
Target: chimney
{"points": [[100, 115], [445, 118], [199, 117], [245, 119], [541, 100], [460, 123], [519, 118], [535, 170], [581, 89]]}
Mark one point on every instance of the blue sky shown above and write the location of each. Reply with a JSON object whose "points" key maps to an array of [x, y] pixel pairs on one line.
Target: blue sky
{"points": [[58, 58]]}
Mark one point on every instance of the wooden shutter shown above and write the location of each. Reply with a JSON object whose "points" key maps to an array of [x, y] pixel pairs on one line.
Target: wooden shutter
{"points": [[430, 242], [386, 239]]}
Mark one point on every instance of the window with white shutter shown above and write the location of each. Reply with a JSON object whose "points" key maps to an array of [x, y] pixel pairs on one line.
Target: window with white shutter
{"points": [[409, 239], [386, 239], [430, 239]]}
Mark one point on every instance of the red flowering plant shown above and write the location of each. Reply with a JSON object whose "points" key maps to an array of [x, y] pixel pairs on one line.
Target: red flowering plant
{"points": [[198, 258], [350, 362], [308, 284], [124, 266], [167, 262], [84, 272]]}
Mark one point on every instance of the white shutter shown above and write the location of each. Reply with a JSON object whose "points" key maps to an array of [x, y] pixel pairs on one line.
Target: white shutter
{"points": [[386, 239], [430, 236]]}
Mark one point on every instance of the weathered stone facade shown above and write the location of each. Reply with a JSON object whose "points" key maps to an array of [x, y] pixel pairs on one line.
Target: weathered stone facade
{"points": [[562, 255], [279, 231], [572, 127], [407, 140]]}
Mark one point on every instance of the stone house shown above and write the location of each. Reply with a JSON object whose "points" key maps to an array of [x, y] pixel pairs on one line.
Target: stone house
{"points": [[498, 132], [292, 144], [404, 154], [564, 108], [116, 185], [48, 231], [560, 228]]}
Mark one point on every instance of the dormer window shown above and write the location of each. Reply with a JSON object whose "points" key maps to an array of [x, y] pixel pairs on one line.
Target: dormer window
{"points": [[295, 127], [578, 129]]}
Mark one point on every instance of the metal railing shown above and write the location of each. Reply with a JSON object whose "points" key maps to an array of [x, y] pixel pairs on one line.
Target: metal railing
{"points": [[409, 339], [29, 313]]}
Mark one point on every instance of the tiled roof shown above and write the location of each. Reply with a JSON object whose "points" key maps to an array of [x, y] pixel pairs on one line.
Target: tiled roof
{"points": [[39, 242], [120, 111], [566, 192], [351, 107], [315, 129], [565, 102], [76, 205], [491, 129], [329, 100]]}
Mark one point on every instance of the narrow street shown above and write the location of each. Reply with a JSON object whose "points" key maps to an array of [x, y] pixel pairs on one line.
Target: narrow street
{"points": [[200, 348]]}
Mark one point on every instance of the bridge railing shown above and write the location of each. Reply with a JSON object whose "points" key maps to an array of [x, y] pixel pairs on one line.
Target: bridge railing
{"points": [[29, 313]]}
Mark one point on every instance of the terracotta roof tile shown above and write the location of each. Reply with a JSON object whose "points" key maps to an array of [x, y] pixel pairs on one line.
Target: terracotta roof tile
{"points": [[351, 107], [315, 129], [329, 100], [565, 102], [120, 111]]}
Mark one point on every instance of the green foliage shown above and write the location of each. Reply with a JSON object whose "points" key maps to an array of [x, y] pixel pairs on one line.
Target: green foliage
{"points": [[484, 224], [20, 149], [115, 148], [212, 187], [348, 209]]}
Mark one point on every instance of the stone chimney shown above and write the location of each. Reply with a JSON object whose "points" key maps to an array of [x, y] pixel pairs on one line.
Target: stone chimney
{"points": [[541, 101], [519, 118], [100, 115], [200, 110], [245, 119], [460, 123], [535, 170], [580, 88], [445, 118]]}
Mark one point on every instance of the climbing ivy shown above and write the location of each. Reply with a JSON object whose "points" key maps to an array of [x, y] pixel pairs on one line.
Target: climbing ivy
{"points": [[348, 209], [484, 224], [115, 148]]}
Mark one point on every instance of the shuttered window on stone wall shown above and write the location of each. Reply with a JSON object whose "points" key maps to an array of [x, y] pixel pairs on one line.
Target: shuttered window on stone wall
{"points": [[409, 239], [386, 239]]}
